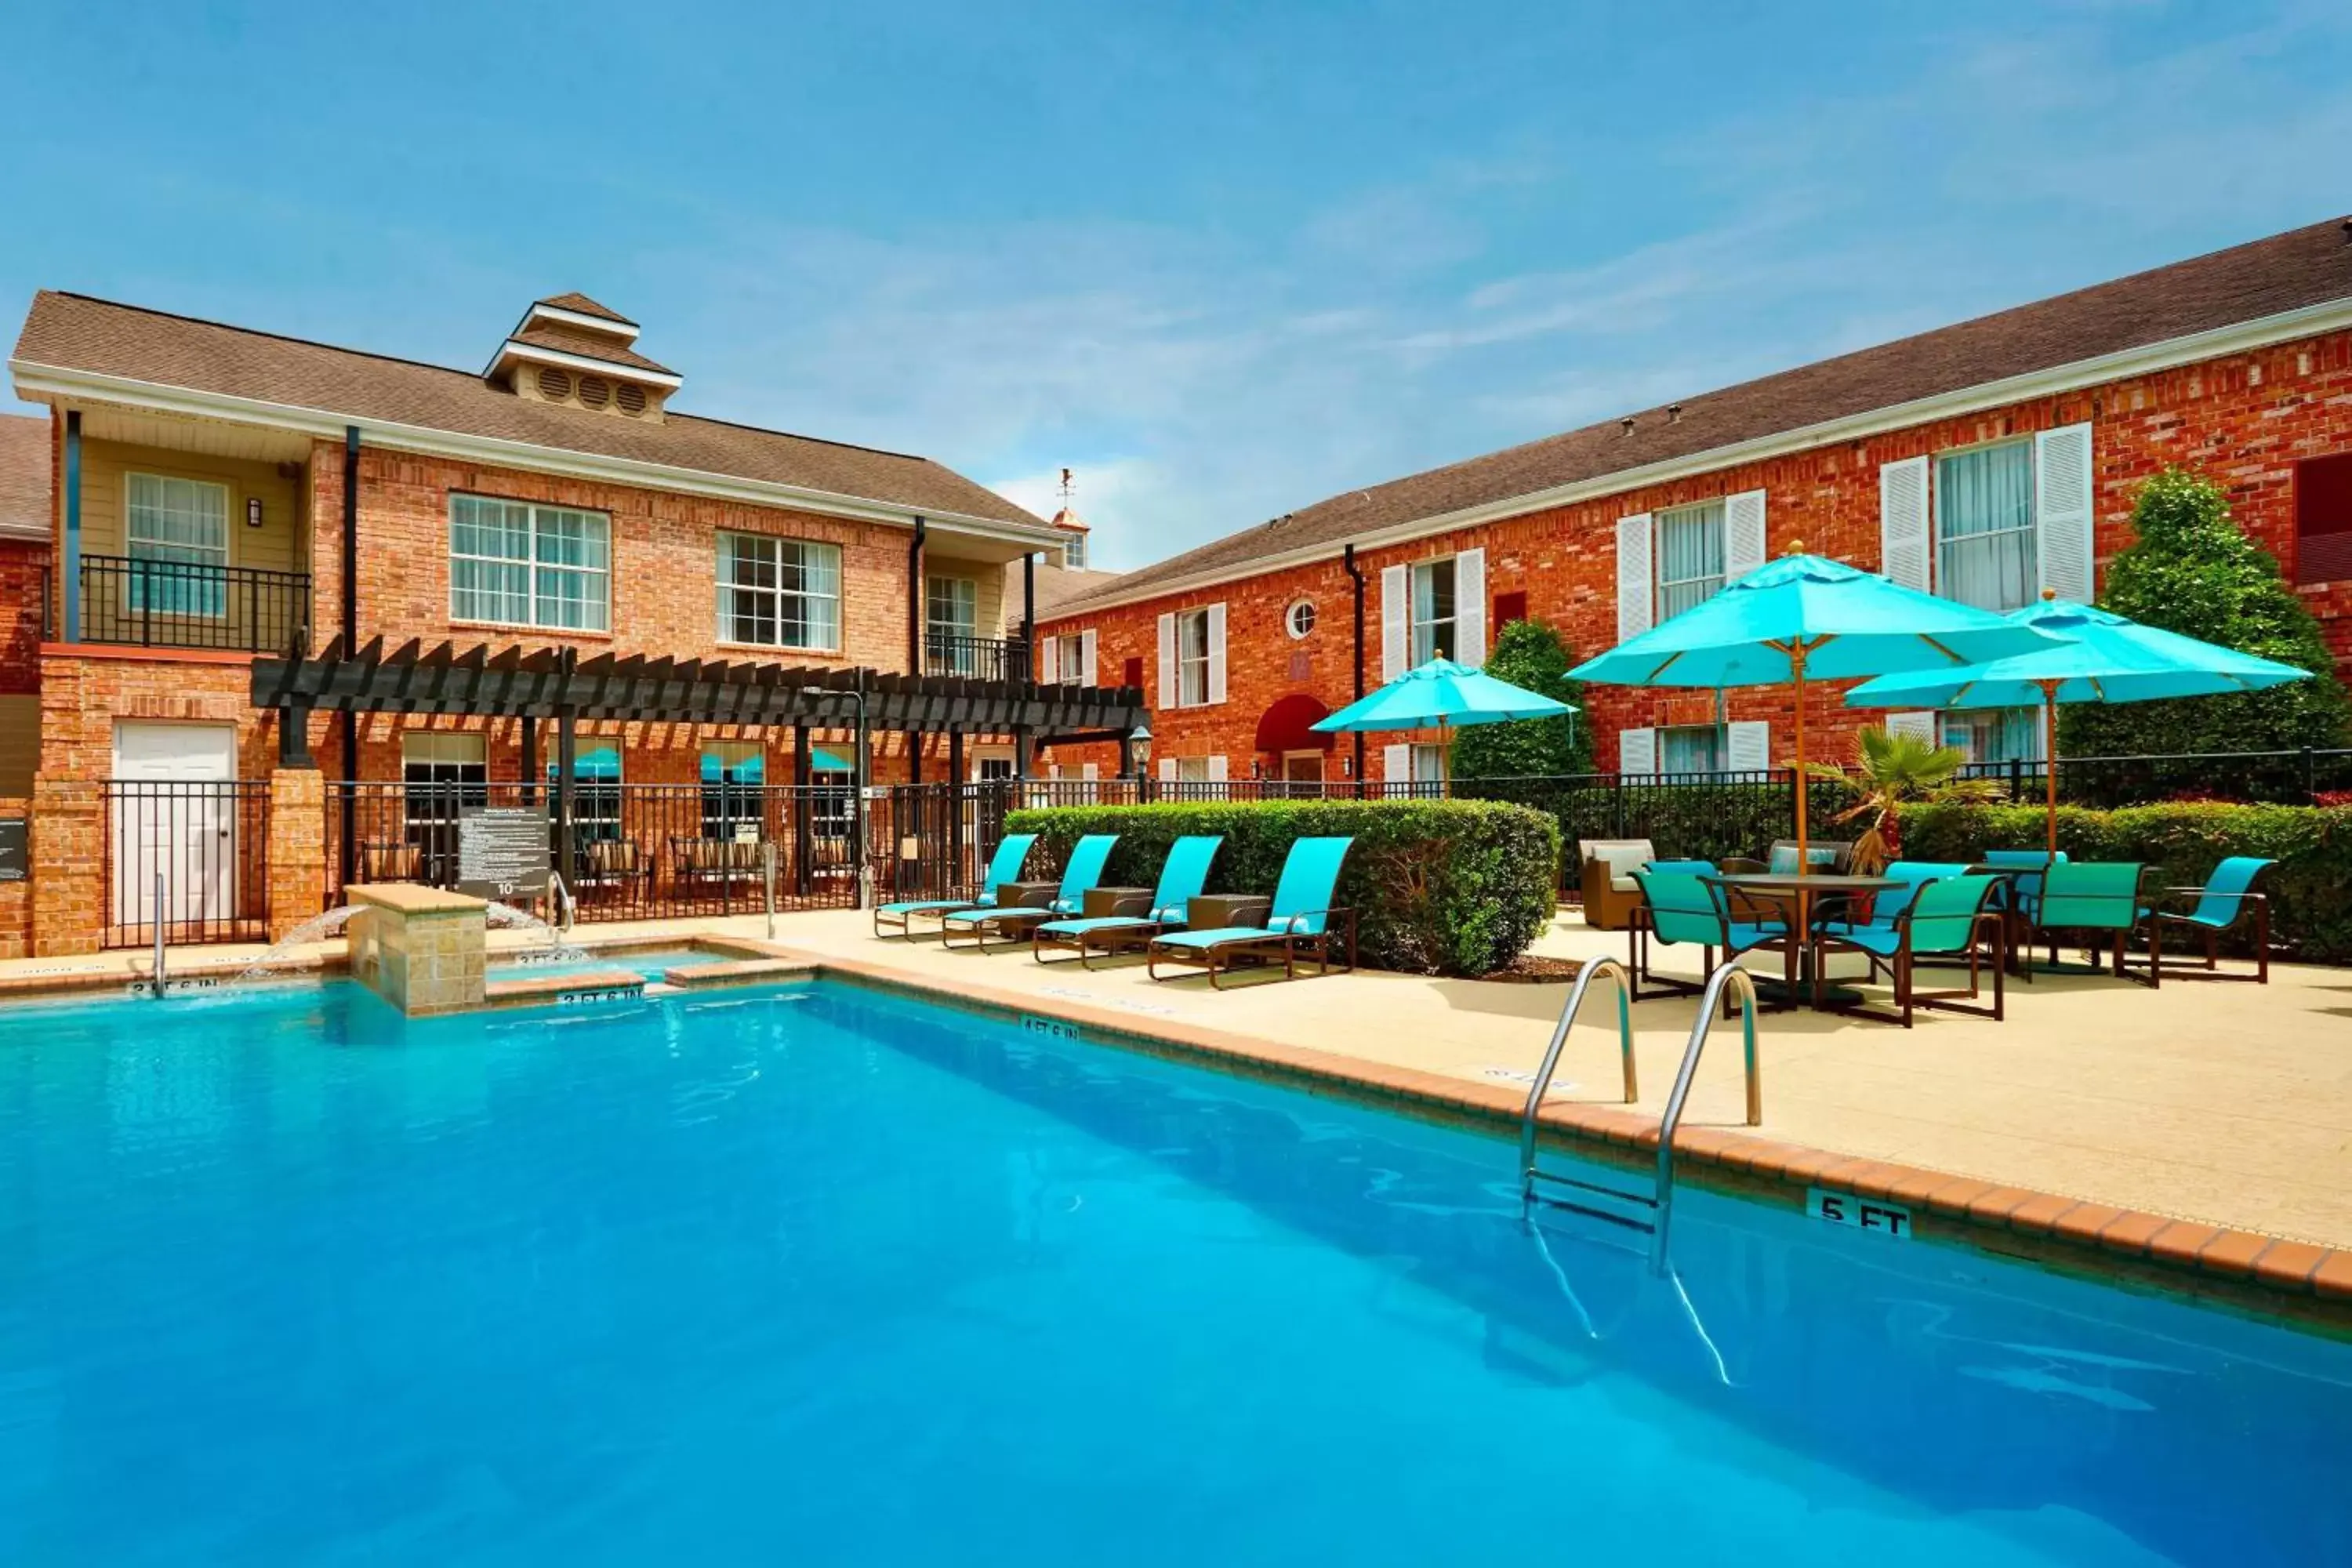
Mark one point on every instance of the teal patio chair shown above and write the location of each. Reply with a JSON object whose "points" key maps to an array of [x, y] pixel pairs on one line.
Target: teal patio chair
{"points": [[1945, 917], [1083, 870], [1888, 904], [1002, 868], [1183, 876], [2091, 898], [1683, 908], [2226, 898], [1685, 867], [1301, 921]]}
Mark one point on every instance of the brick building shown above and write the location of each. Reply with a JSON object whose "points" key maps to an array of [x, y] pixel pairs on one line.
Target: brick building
{"points": [[203, 497], [1984, 461]]}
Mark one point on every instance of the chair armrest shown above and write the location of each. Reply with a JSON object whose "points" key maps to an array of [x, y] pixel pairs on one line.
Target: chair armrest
{"points": [[1740, 866]]}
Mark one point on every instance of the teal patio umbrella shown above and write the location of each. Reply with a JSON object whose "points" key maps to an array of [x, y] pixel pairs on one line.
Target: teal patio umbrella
{"points": [[1443, 696], [1808, 617], [2106, 658]]}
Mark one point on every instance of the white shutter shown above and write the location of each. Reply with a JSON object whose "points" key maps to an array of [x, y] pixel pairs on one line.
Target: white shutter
{"points": [[1049, 653], [2061, 498], [1054, 772], [1217, 768], [1747, 746], [1088, 670], [1395, 588], [1217, 652], [1167, 688], [1743, 534], [1396, 764], [1903, 522], [1470, 607], [1090, 771], [1634, 580], [1927, 723], [1166, 770], [1637, 750]]}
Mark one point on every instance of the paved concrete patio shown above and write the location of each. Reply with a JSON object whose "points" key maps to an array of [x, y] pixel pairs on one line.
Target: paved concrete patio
{"points": [[2226, 1104]]}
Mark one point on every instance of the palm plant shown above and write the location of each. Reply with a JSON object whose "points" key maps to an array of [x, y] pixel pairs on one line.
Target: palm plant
{"points": [[1889, 770]]}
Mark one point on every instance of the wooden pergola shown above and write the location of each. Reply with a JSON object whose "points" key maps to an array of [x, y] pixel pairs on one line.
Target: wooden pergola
{"points": [[558, 685]]}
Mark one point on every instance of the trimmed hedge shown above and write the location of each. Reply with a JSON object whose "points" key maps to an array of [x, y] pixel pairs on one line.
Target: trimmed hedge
{"points": [[1439, 887], [2310, 888]]}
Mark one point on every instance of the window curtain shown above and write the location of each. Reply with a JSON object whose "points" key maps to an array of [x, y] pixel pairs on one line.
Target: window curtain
{"points": [[1433, 612], [1690, 557], [1985, 552], [1696, 749]]}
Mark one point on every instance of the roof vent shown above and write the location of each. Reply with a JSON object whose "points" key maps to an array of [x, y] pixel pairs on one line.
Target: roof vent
{"points": [[1626, 424], [554, 385], [595, 392], [631, 397], [1673, 413]]}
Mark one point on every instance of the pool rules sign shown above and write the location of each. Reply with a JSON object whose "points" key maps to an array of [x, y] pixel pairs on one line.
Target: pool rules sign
{"points": [[502, 852]]}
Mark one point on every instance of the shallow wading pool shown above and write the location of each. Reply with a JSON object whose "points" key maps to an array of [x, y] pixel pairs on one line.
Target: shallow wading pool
{"points": [[823, 1274]]}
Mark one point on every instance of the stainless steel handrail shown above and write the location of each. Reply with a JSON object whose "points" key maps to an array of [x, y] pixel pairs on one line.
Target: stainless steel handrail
{"points": [[1536, 1091], [1728, 975]]}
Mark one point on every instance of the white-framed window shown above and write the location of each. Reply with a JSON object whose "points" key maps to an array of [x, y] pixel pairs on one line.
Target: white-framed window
{"points": [[1691, 749], [1690, 556], [1066, 660], [518, 563], [1299, 619], [779, 593], [1995, 735], [734, 773], [1074, 553], [1987, 551], [951, 609], [595, 790], [1428, 766], [1192, 657], [1193, 770], [1433, 627], [184, 525]]}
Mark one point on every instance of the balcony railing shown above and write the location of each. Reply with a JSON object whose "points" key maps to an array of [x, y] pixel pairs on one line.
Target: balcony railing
{"points": [[976, 659], [185, 604]]}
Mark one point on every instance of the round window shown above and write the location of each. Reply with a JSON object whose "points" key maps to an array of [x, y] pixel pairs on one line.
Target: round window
{"points": [[1300, 619]]}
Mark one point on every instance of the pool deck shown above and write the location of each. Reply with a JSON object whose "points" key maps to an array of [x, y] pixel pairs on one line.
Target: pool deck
{"points": [[2097, 1112]]}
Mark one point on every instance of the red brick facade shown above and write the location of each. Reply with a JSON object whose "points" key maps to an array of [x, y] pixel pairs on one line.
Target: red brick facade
{"points": [[2246, 420]]}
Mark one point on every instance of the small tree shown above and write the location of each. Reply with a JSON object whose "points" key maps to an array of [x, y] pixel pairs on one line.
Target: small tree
{"points": [[1528, 654], [2191, 570], [1890, 772]]}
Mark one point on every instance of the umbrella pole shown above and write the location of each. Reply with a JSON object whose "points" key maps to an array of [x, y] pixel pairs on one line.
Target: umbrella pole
{"points": [[2049, 758], [1797, 666]]}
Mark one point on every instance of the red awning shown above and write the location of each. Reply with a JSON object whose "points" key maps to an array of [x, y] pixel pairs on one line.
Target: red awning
{"points": [[1284, 726]]}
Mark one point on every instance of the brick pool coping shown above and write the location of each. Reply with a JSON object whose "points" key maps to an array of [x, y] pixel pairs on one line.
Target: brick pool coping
{"points": [[2248, 1269]]}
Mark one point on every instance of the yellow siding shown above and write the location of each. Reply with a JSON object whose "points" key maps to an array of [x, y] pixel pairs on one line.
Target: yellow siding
{"points": [[992, 605], [277, 545]]}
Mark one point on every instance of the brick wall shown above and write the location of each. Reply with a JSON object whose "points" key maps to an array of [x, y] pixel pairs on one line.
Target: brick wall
{"points": [[664, 561], [2245, 420]]}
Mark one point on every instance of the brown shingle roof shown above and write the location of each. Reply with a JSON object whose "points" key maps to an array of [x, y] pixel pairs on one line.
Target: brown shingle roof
{"points": [[584, 306], [24, 477], [97, 336], [589, 345], [2302, 267], [1056, 586]]}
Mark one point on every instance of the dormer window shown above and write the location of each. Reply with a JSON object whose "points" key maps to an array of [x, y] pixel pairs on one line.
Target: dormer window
{"points": [[572, 351]]}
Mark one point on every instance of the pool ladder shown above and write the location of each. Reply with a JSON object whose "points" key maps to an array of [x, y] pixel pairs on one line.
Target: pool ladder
{"points": [[1649, 1212]]}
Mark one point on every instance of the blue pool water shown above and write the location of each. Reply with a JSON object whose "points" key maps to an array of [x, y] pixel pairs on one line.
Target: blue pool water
{"points": [[650, 962], [821, 1275]]}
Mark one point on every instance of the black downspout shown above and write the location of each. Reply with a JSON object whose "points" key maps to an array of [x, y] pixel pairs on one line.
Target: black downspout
{"points": [[1028, 618], [350, 746], [915, 610], [1355, 575]]}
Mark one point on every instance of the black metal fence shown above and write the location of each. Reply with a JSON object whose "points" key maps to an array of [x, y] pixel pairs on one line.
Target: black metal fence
{"points": [[184, 604], [192, 855], [2280, 778], [975, 658]]}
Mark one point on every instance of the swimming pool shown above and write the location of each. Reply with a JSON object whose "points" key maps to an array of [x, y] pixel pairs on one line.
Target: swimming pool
{"points": [[823, 1274], [651, 963]]}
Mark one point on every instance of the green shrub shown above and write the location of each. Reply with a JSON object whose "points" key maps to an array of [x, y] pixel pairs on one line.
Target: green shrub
{"points": [[1531, 657], [1439, 887], [2310, 888]]}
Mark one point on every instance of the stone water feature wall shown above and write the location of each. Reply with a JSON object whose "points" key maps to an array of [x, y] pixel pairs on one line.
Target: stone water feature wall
{"points": [[420, 948]]}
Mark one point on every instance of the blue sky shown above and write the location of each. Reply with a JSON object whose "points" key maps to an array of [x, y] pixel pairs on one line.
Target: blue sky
{"points": [[1224, 259]]}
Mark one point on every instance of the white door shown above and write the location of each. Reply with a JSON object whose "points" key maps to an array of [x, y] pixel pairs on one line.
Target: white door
{"points": [[167, 819]]}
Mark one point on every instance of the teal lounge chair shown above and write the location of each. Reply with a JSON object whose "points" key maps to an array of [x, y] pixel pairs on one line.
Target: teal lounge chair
{"points": [[1682, 906], [1005, 866], [1888, 905], [1301, 921], [1182, 874], [2089, 898], [1083, 870], [1945, 917], [2226, 898]]}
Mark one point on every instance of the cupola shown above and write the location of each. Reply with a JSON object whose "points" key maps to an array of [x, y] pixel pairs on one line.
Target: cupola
{"points": [[572, 351]]}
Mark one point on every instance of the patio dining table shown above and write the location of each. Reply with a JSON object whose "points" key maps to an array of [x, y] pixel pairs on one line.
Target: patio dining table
{"points": [[1798, 892]]}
